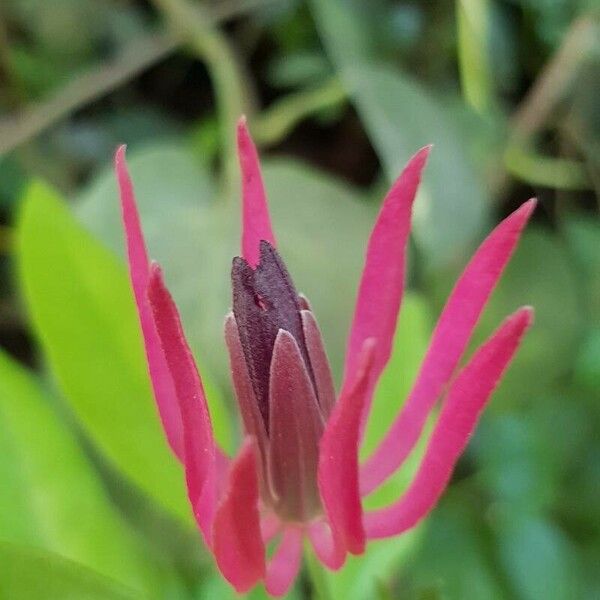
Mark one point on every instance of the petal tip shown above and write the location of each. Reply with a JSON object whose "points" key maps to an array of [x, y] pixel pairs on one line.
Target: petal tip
{"points": [[120, 153]]}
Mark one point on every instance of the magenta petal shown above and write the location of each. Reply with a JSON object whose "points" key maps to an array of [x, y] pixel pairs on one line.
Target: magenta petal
{"points": [[139, 273], [256, 223], [327, 548], [449, 341], [283, 567], [382, 282], [296, 425], [338, 460], [200, 454], [466, 399], [237, 541], [319, 362]]}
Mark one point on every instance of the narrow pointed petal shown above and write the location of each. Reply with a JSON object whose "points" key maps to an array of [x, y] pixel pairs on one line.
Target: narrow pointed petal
{"points": [[331, 553], [256, 223], [251, 417], [285, 564], [237, 541], [139, 273], [296, 425], [199, 446], [462, 408], [338, 461], [382, 282], [450, 338], [319, 362]]}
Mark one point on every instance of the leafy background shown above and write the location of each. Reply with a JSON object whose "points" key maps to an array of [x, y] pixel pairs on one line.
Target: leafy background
{"points": [[338, 93]]}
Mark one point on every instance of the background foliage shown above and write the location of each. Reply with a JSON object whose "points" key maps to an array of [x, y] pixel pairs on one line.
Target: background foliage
{"points": [[338, 93]]}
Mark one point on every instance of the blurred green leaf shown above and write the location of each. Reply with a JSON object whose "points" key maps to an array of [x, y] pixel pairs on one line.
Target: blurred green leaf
{"points": [[82, 309], [514, 463], [322, 227], [26, 573], [454, 560], [361, 576], [583, 238], [41, 465], [538, 559], [400, 117], [315, 218]]}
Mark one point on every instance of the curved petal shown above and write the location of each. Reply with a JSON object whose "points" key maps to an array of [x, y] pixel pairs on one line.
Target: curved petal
{"points": [[237, 541], [251, 417], [338, 459], [382, 282], [256, 223], [448, 343], [199, 455], [139, 273], [285, 564], [326, 547], [466, 399], [319, 362], [296, 425]]}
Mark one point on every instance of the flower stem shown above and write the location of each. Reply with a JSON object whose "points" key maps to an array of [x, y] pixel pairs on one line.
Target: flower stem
{"points": [[317, 576]]}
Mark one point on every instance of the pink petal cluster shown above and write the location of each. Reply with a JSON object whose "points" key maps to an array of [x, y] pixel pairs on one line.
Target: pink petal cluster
{"points": [[225, 493]]}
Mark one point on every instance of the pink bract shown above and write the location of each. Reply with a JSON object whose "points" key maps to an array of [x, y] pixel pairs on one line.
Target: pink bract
{"points": [[243, 503]]}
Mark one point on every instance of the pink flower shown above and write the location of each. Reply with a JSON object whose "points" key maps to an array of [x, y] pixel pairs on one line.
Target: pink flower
{"points": [[297, 473]]}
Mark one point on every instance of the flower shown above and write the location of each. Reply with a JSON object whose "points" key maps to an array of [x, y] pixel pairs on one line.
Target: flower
{"points": [[297, 473]]}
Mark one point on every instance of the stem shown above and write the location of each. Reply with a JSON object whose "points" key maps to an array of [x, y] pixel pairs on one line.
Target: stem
{"points": [[317, 576], [195, 26], [273, 124], [139, 55], [472, 21], [557, 173]]}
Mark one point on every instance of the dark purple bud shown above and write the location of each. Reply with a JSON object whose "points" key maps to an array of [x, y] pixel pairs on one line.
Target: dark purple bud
{"points": [[282, 381], [265, 301]]}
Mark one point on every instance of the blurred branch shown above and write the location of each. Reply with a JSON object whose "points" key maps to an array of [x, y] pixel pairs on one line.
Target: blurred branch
{"points": [[276, 122], [555, 80], [550, 88], [100, 80], [136, 57], [194, 26], [557, 173]]}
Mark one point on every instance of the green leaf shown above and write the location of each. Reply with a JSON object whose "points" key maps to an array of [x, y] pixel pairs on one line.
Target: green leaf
{"points": [[315, 218], [454, 560], [82, 309], [583, 238], [538, 558], [400, 117], [322, 227], [27, 573], [360, 577], [41, 465]]}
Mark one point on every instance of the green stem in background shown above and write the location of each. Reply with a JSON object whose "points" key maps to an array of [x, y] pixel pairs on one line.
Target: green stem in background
{"points": [[556, 173], [317, 576], [194, 25], [272, 125], [472, 22]]}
